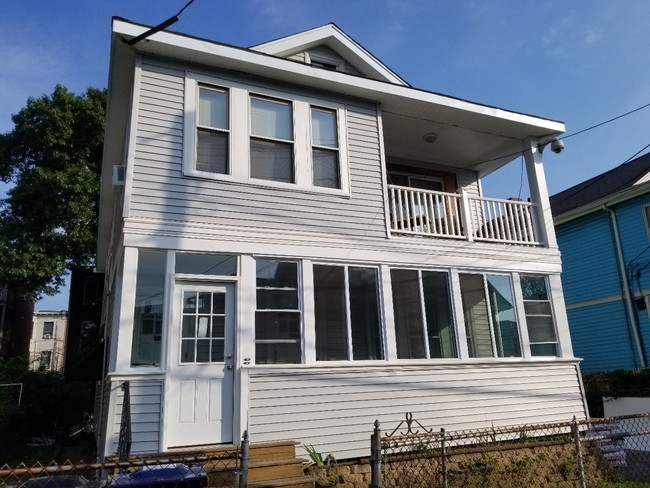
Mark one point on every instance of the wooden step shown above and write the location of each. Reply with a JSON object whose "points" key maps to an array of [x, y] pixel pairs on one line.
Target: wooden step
{"points": [[272, 450], [301, 482], [275, 469]]}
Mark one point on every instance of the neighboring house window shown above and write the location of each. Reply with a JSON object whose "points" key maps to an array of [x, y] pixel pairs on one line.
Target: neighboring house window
{"points": [[248, 134], [490, 320], [271, 143], [325, 148], [212, 131], [539, 316], [45, 359], [148, 313], [278, 316], [48, 330], [348, 320], [424, 325]]}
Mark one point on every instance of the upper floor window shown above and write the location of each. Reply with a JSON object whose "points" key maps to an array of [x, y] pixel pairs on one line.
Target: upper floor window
{"points": [[248, 134], [490, 320], [539, 316], [325, 148], [48, 330], [212, 131], [271, 140]]}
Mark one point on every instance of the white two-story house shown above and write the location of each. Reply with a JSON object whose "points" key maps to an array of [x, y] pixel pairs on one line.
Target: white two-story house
{"points": [[296, 243]]}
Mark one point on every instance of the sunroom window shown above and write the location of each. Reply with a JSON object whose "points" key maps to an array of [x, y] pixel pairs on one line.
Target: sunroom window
{"points": [[271, 140], [424, 325], [490, 319], [539, 316], [278, 316], [348, 325]]}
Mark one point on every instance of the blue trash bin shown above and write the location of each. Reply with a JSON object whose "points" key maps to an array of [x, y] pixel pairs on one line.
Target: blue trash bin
{"points": [[162, 476]]}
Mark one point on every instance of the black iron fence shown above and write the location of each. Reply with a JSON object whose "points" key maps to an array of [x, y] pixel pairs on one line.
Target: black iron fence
{"points": [[611, 452]]}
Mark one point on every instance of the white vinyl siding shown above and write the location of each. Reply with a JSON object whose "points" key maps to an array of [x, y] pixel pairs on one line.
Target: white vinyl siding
{"points": [[334, 409]]}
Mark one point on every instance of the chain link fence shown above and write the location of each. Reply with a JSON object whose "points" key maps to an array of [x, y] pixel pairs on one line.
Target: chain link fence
{"points": [[604, 453], [221, 470]]}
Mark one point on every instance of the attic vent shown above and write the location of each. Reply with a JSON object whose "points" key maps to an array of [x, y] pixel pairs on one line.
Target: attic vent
{"points": [[119, 175], [320, 64]]}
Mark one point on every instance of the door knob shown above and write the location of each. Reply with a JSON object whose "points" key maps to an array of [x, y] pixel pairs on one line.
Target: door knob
{"points": [[229, 366]]}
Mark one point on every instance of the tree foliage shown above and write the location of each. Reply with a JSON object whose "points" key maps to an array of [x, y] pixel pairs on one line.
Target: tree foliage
{"points": [[52, 157]]}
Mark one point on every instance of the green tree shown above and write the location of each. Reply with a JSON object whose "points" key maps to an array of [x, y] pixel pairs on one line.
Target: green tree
{"points": [[52, 159]]}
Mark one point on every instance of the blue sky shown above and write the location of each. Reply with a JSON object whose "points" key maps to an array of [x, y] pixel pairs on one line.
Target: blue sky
{"points": [[581, 62]]}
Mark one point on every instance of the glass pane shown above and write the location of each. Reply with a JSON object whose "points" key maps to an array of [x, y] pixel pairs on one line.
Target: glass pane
{"points": [[218, 326], [206, 264], [538, 308], [440, 324], [272, 161], [409, 327], [271, 118], [323, 124], [543, 349], [189, 326], [213, 108], [506, 332], [534, 287], [277, 299], [541, 329], [212, 152], [277, 326], [364, 314], [148, 312], [205, 302], [326, 168], [203, 329], [331, 314], [218, 303], [277, 274], [217, 350], [277, 353], [425, 183], [189, 302], [477, 322], [203, 351], [187, 351]]}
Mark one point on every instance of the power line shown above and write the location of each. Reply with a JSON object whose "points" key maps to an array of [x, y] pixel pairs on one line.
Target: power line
{"points": [[606, 122]]}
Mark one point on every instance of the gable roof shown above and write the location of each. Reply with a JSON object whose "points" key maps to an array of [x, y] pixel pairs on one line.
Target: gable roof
{"points": [[602, 188], [332, 36]]}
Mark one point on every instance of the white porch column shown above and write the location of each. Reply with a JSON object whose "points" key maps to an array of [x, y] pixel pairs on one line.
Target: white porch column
{"points": [[539, 195]]}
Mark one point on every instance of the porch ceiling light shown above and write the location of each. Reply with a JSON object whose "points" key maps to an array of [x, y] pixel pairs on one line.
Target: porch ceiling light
{"points": [[430, 138]]}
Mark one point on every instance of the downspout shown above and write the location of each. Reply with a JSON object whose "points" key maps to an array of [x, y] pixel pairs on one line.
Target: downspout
{"points": [[626, 287]]}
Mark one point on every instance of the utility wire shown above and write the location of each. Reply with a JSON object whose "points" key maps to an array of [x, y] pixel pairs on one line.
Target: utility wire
{"points": [[186, 5], [606, 122]]}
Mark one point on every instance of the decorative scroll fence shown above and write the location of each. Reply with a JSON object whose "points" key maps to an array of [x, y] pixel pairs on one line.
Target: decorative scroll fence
{"points": [[609, 452], [414, 211]]}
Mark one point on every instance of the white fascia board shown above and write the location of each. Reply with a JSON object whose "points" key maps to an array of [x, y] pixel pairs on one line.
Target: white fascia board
{"points": [[335, 38], [614, 199], [395, 98]]}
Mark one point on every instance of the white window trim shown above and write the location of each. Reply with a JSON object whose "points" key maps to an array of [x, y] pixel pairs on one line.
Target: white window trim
{"points": [[239, 135]]}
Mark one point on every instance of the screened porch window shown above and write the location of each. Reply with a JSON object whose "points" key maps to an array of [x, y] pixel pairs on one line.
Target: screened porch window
{"points": [[490, 320], [348, 325], [278, 316], [424, 325], [539, 316], [271, 140]]}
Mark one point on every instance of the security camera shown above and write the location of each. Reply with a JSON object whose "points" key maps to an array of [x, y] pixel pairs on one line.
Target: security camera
{"points": [[557, 146]]}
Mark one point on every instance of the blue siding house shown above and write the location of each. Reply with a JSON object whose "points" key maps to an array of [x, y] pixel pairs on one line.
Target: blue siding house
{"points": [[603, 232]]}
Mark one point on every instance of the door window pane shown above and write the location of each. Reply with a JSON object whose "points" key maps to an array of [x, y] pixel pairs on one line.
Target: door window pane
{"points": [[148, 313], [278, 317], [203, 326]]}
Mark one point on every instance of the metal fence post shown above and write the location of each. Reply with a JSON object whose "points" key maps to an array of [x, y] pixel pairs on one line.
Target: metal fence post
{"points": [[243, 468], [576, 439], [375, 457], [443, 456]]}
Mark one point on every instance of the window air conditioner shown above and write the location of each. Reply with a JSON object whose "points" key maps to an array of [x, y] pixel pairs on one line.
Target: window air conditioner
{"points": [[47, 336]]}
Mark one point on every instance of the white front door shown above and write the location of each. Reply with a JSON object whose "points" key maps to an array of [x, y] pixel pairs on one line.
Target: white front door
{"points": [[199, 390]]}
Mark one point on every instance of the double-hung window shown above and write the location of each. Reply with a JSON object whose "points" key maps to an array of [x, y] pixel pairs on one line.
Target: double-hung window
{"points": [[277, 317], [271, 140], [490, 319], [348, 319], [424, 325], [212, 131], [325, 148], [539, 316]]}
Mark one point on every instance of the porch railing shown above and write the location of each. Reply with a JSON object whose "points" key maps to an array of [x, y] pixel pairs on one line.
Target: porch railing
{"points": [[414, 211]]}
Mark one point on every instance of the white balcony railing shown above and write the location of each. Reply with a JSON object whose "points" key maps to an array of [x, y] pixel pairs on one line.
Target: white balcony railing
{"points": [[420, 212]]}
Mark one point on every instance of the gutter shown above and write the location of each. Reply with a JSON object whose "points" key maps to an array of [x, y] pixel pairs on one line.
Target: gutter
{"points": [[634, 325]]}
